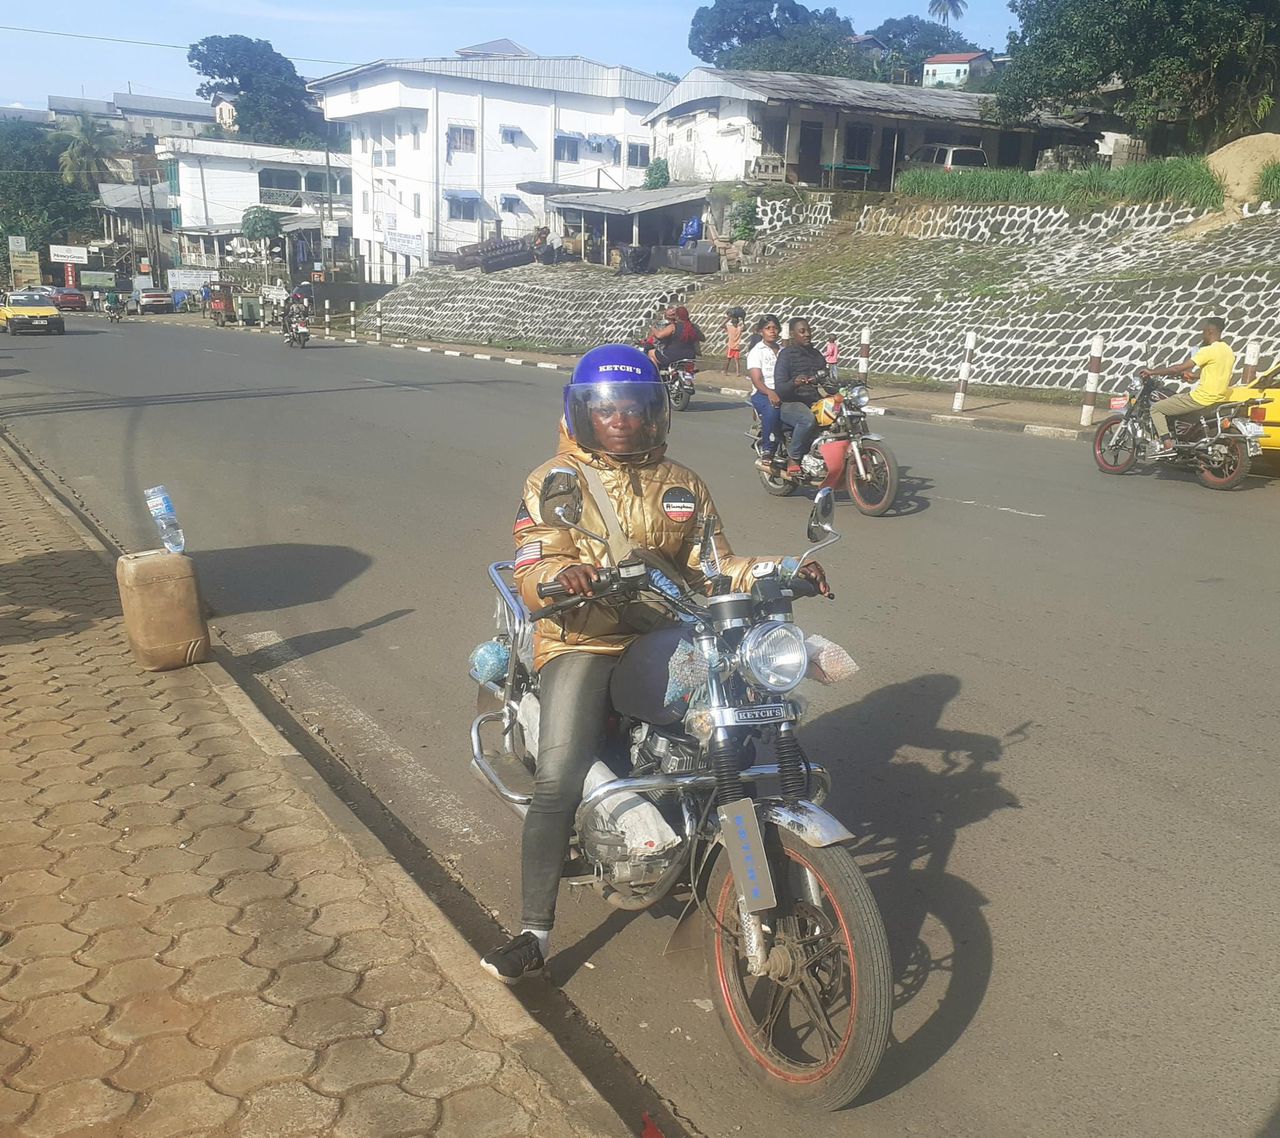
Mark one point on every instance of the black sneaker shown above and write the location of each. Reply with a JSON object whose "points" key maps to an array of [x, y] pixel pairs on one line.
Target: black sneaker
{"points": [[521, 956]]}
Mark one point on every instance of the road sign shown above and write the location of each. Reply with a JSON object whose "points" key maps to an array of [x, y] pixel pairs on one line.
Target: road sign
{"points": [[404, 243], [69, 275], [328, 228], [25, 268], [191, 278], [71, 254], [17, 244]]}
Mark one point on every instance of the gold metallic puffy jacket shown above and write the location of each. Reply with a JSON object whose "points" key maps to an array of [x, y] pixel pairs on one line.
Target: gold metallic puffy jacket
{"points": [[659, 504]]}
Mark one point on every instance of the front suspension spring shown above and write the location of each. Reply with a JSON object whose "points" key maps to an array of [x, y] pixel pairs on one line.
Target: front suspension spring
{"points": [[724, 765], [792, 773]]}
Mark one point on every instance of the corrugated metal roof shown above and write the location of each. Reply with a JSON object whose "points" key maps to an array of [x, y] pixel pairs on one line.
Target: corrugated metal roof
{"points": [[631, 201], [69, 105], [23, 114], [957, 57], [174, 108], [572, 74], [496, 47], [944, 105], [117, 195]]}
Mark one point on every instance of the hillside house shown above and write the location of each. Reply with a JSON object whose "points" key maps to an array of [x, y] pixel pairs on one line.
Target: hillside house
{"points": [[956, 69]]}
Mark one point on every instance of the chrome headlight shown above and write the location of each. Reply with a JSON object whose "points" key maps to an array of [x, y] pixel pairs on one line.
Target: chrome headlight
{"points": [[860, 395], [773, 656]]}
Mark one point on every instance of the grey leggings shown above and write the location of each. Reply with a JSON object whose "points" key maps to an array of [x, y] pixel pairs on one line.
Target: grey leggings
{"points": [[575, 708]]}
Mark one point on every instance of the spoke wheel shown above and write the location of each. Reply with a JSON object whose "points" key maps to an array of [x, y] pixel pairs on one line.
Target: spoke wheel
{"points": [[1114, 448], [874, 494], [815, 1028], [1226, 466]]}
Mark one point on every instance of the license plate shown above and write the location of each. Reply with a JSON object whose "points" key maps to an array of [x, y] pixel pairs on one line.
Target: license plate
{"points": [[1255, 447], [873, 410], [1250, 430], [1119, 402], [40, 320], [762, 713], [740, 829]]}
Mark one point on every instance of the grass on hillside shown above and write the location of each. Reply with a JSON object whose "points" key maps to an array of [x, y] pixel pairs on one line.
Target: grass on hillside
{"points": [[1181, 181], [1268, 187]]}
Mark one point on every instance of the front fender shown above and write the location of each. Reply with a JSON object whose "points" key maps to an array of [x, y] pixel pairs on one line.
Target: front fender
{"points": [[810, 823]]}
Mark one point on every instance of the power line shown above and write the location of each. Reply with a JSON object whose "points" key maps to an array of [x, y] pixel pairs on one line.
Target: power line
{"points": [[150, 43]]}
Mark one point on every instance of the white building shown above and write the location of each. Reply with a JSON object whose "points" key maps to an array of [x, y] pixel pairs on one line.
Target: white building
{"points": [[956, 69], [211, 183], [140, 116], [449, 152]]}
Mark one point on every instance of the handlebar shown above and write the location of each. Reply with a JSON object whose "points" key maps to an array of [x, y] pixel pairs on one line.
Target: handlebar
{"points": [[549, 589], [802, 586]]}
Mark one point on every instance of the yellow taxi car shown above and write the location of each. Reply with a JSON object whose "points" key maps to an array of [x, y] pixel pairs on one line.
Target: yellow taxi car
{"points": [[31, 312], [1266, 386]]}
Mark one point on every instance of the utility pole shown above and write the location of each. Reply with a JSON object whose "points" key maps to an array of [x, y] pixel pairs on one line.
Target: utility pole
{"points": [[328, 187], [155, 229]]}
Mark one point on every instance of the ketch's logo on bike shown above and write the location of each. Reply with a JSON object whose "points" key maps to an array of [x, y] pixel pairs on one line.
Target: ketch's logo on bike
{"points": [[679, 504]]}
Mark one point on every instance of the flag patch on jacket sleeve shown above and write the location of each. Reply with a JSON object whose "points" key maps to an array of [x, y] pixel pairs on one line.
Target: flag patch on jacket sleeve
{"points": [[528, 554], [524, 519]]}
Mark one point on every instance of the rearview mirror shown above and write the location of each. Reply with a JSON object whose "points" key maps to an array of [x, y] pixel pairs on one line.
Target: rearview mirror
{"points": [[820, 518], [560, 500]]}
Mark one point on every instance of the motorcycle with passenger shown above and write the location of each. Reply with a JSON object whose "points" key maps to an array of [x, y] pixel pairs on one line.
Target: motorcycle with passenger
{"points": [[1217, 444], [845, 450], [298, 332], [795, 948]]}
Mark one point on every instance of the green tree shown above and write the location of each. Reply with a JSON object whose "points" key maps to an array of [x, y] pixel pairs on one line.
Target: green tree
{"points": [[669, 76], [727, 25], [271, 100], [89, 144], [807, 50], [1215, 63], [35, 202], [260, 223], [657, 174], [912, 40], [944, 11]]}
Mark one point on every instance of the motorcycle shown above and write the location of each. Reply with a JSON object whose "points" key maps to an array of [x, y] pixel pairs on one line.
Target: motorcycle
{"points": [[796, 953], [115, 313], [679, 380], [299, 333], [1217, 444], [844, 450]]}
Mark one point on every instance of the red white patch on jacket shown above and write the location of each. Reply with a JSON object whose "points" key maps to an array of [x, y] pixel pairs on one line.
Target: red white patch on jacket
{"points": [[524, 519], [679, 504], [528, 554]]}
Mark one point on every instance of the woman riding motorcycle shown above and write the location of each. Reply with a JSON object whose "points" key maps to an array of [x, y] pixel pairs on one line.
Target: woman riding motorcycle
{"points": [[616, 414], [676, 340]]}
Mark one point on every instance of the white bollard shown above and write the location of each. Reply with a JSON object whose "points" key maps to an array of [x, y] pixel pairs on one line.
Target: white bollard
{"points": [[1091, 380], [378, 321], [864, 356], [327, 329], [966, 372], [1252, 350]]}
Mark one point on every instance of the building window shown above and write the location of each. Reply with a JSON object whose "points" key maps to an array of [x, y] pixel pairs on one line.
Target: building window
{"points": [[175, 124], [417, 205], [461, 140], [364, 143], [510, 135], [857, 142], [391, 157], [148, 124], [566, 150], [462, 210], [353, 89], [377, 157], [364, 201], [511, 203], [637, 154], [417, 139], [688, 135]]}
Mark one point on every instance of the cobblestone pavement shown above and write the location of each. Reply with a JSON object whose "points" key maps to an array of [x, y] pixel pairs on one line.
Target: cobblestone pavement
{"points": [[195, 937]]}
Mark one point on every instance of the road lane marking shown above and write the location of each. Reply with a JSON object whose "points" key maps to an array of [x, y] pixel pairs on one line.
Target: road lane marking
{"points": [[988, 506], [330, 706], [388, 383], [215, 352]]}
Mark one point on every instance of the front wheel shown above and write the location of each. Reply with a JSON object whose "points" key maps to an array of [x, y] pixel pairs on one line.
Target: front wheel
{"points": [[814, 1028], [1227, 465], [874, 494], [1115, 447]]}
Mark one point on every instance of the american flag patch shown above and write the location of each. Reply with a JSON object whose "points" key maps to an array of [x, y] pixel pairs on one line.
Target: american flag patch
{"points": [[528, 554], [524, 519]]}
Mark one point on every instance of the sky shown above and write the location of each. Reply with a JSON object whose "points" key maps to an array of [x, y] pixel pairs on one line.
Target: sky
{"points": [[36, 66]]}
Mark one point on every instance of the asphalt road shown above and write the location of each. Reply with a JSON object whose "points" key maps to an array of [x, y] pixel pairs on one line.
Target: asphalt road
{"points": [[1059, 751]]}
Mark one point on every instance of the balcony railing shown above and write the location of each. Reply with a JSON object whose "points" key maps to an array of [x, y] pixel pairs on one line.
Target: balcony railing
{"points": [[297, 199]]}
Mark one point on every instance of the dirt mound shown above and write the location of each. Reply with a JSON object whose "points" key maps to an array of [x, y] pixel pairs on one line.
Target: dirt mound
{"points": [[1239, 163]]}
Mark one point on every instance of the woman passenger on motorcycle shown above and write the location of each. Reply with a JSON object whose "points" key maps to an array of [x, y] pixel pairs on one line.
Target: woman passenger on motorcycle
{"points": [[793, 380], [761, 362], [676, 340], [617, 415]]}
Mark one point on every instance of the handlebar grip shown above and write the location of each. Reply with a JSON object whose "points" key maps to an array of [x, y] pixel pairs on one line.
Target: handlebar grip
{"points": [[551, 589], [802, 587]]}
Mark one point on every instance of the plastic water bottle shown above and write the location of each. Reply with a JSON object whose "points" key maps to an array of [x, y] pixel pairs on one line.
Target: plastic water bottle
{"points": [[162, 513]]}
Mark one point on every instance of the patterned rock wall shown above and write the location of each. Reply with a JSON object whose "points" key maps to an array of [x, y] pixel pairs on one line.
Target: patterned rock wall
{"points": [[774, 215]]}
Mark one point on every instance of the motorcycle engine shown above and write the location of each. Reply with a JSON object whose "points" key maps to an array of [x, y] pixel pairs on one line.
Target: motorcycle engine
{"points": [[656, 751], [813, 465]]}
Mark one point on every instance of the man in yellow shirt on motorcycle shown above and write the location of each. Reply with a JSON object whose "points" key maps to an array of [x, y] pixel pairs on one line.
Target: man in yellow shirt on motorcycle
{"points": [[1215, 360]]}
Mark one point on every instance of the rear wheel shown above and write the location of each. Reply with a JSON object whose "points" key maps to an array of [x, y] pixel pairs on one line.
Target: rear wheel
{"points": [[873, 495], [680, 398], [1115, 449], [775, 484], [814, 1028], [1227, 464]]}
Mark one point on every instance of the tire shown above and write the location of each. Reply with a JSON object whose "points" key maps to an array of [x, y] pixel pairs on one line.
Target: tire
{"points": [[776, 486], [680, 399], [874, 497], [857, 975], [1235, 468], [1123, 459]]}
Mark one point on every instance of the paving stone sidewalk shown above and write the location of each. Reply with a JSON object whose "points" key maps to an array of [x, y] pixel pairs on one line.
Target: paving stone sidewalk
{"points": [[196, 938]]}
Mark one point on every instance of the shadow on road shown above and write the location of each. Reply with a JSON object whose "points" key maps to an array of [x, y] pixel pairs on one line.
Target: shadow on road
{"points": [[906, 810], [52, 593], [912, 498], [307, 644], [1270, 1128], [262, 578]]}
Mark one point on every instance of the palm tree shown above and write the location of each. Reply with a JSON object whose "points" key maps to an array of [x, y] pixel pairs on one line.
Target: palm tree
{"points": [[944, 11], [85, 161]]}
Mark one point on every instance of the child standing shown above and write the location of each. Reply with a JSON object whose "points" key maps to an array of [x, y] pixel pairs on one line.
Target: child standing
{"points": [[831, 353], [733, 349]]}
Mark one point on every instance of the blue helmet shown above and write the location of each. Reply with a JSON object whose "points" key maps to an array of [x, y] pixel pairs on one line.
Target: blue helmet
{"points": [[616, 403]]}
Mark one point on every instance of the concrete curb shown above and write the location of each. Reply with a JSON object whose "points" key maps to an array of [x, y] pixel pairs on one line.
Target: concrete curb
{"points": [[1035, 430], [502, 1013]]}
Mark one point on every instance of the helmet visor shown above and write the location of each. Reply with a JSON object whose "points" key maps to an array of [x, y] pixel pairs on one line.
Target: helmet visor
{"points": [[620, 419]]}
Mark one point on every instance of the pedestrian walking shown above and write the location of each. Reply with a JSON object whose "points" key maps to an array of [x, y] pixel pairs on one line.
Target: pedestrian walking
{"points": [[205, 293], [97, 300], [733, 345], [831, 353]]}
